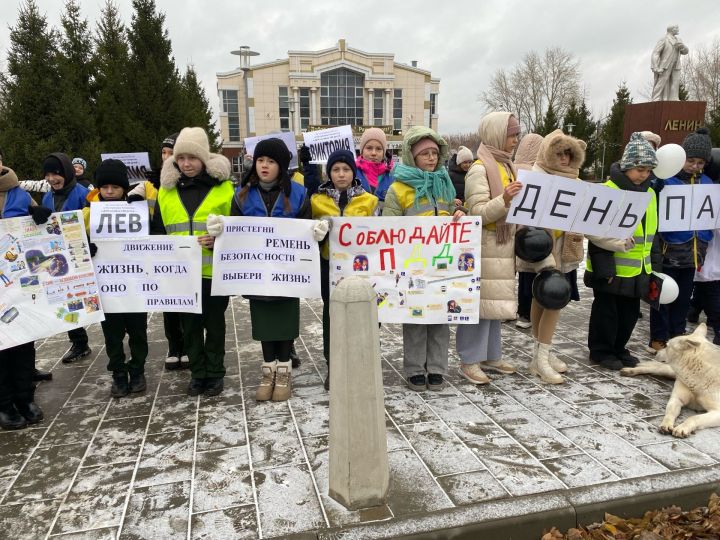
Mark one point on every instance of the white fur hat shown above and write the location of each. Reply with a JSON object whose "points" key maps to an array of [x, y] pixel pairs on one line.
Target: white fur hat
{"points": [[193, 141], [463, 154]]}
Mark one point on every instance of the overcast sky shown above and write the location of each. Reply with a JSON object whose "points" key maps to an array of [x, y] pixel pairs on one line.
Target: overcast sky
{"points": [[461, 42]]}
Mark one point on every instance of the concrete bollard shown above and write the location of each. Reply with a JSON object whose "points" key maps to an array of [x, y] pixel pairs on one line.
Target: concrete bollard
{"points": [[359, 472]]}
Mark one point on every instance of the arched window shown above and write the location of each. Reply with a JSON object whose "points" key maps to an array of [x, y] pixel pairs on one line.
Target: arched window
{"points": [[341, 97]]}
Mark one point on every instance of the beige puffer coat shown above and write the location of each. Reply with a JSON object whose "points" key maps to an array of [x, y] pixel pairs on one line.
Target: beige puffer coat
{"points": [[498, 300]]}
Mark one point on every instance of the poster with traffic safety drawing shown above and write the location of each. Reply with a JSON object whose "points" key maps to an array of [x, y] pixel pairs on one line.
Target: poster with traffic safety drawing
{"points": [[425, 270], [47, 281]]}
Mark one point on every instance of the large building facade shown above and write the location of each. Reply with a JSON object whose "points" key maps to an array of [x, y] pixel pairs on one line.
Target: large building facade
{"points": [[317, 89]]}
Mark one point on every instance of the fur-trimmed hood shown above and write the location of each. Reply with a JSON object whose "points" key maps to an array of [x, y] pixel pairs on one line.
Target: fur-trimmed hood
{"points": [[8, 179], [557, 142], [217, 166]]}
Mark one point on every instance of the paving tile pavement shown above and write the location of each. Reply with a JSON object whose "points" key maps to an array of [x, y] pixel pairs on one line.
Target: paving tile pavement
{"points": [[165, 465]]}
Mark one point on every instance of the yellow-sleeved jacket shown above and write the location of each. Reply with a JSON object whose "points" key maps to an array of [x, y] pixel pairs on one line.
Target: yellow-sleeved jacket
{"points": [[362, 205]]}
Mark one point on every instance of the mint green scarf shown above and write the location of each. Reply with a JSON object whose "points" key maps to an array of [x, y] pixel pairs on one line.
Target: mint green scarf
{"points": [[436, 185]]}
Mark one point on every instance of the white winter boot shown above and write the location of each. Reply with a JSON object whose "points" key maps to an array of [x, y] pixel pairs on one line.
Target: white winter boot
{"points": [[540, 365], [557, 364]]}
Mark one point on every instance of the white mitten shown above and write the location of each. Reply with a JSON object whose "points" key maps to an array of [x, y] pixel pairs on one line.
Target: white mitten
{"points": [[629, 243], [214, 225], [320, 229]]}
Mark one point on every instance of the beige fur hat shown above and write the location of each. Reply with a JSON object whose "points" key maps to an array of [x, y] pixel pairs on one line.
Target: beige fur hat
{"points": [[193, 141], [463, 154], [652, 138]]}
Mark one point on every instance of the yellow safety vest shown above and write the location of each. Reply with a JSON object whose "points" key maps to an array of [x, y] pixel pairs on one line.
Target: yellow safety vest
{"points": [[406, 198], [178, 222], [632, 263], [359, 206]]}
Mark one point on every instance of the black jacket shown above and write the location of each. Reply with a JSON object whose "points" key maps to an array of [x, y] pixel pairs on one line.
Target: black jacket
{"points": [[457, 175], [603, 260]]}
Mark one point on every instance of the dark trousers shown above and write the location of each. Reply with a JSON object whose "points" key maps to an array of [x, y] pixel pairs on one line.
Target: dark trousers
{"points": [[612, 321], [173, 333], [669, 321], [325, 293], [706, 297], [204, 335], [279, 350], [525, 280], [16, 375], [78, 337], [114, 328]]}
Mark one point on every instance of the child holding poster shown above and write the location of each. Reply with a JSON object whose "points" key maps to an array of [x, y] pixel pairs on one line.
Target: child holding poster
{"points": [[111, 179], [372, 170], [618, 271], [17, 364], [490, 186], [267, 191], [195, 184], [66, 194], [342, 195], [423, 187]]}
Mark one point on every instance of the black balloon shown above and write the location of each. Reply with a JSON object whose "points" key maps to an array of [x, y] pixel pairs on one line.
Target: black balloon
{"points": [[551, 289], [533, 244]]}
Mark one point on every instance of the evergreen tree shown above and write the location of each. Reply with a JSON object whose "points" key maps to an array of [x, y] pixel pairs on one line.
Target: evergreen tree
{"points": [[114, 104], [713, 125], [154, 80], [612, 131], [683, 93], [30, 94], [75, 115], [584, 128], [196, 108], [549, 123]]}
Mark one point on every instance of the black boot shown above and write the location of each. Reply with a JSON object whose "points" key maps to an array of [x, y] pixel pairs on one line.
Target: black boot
{"points": [[294, 356], [137, 382], [213, 386], [120, 384], [327, 380], [196, 387], [76, 352], [41, 375], [30, 411], [10, 418]]}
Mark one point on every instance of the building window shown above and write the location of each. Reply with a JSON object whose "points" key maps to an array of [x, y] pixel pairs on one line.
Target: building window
{"points": [[304, 108], [230, 106], [433, 104], [284, 108], [341, 98], [378, 107], [397, 109], [236, 162]]}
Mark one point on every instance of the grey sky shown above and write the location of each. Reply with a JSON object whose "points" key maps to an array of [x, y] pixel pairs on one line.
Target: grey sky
{"points": [[462, 42]]}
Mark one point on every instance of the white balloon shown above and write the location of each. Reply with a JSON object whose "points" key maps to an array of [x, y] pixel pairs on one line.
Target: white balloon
{"points": [[671, 158], [670, 289]]}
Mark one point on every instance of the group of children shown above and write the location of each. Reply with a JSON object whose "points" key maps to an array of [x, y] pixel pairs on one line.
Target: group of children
{"points": [[194, 191]]}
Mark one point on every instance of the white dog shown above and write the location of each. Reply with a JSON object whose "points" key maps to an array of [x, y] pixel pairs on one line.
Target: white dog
{"points": [[694, 363]]}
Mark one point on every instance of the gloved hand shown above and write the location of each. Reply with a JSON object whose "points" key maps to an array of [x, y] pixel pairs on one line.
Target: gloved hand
{"points": [[304, 154], [40, 214], [135, 197], [320, 229], [93, 249], [153, 176], [214, 225]]}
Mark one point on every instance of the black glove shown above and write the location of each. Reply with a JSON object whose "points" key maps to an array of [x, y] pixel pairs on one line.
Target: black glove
{"points": [[153, 176], [40, 214], [135, 198], [304, 154], [93, 249]]}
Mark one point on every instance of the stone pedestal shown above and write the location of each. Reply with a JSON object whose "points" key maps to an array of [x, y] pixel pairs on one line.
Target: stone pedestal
{"points": [[359, 472], [672, 120]]}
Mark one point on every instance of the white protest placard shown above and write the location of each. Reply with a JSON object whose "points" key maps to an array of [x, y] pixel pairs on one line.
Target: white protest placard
{"points": [[48, 285], [266, 257], [114, 219], [527, 206], [705, 206], [324, 142], [675, 208], [160, 273], [137, 163], [424, 270], [288, 137], [630, 213], [597, 211]]}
